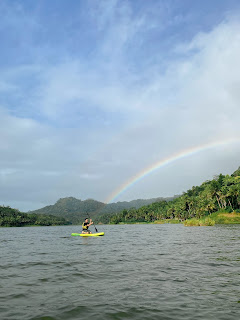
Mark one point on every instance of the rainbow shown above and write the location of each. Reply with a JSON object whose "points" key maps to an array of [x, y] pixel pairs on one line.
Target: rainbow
{"points": [[164, 162]]}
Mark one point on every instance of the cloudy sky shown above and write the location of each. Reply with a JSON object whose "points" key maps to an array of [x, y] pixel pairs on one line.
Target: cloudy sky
{"points": [[93, 92]]}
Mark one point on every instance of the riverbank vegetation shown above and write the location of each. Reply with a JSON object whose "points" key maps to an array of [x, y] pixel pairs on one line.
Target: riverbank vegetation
{"points": [[225, 217], [215, 201], [14, 218], [199, 222]]}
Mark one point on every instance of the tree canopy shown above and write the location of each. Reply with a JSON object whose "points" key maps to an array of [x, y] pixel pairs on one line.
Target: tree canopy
{"points": [[220, 194], [14, 218]]}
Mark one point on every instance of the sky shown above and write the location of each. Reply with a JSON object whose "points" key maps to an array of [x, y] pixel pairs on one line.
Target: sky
{"points": [[93, 92]]}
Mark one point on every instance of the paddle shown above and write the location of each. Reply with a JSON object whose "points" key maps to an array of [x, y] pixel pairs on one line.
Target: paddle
{"points": [[93, 223]]}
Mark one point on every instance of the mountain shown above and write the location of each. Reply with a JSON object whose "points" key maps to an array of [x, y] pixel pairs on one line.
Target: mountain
{"points": [[76, 210], [236, 173]]}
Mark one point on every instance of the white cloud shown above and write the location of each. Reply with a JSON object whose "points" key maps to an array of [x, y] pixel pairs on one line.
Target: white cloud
{"points": [[88, 126]]}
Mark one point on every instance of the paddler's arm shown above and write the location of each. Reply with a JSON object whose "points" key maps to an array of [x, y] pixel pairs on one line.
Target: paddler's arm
{"points": [[90, 223]]}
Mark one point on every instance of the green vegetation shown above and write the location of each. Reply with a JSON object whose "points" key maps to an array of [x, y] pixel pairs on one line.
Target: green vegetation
{"points": [[14, 218], [215, 201], [224, 217], [199, 222], [76, 210]]}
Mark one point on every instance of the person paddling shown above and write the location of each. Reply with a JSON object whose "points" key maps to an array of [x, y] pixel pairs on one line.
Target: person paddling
{"points": [[86, 225]]}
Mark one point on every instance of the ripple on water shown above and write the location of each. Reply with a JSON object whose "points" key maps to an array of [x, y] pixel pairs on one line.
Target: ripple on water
{"points": [[134, 272]]}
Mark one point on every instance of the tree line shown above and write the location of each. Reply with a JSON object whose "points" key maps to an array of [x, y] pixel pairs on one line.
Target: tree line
{"points": [[220, 194], [14, 218]]}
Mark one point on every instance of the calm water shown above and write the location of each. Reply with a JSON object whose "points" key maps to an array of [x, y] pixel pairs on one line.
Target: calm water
{"points": [[133, 272]]}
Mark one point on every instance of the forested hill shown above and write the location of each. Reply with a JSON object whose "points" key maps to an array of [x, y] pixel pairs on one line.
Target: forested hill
{"points": [[220, 194], [14, 218], [75, 210]]}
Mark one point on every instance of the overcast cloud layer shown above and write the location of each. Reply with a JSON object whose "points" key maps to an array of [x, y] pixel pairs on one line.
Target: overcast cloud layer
{"points": [[93, 92]]}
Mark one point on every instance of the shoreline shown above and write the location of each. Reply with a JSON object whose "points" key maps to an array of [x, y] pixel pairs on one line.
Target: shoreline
{"points": [[216, 218]]}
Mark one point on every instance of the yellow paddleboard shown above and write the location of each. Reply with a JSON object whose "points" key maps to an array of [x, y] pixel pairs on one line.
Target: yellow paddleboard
{"points": [[89, 234]]}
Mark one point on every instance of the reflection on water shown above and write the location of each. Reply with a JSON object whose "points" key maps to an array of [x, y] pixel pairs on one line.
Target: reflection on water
{"points": [[133, 272]]}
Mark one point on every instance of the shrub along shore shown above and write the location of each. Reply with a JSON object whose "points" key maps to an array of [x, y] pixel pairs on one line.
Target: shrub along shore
{"points": [[215, 218]]}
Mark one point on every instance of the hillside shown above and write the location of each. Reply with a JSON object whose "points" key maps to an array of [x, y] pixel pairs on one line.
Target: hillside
{"points": [[14, 218], [75, 210], [222, 194]]}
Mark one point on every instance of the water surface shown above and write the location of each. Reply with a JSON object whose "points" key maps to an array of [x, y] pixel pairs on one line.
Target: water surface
{"points": [[133, 272]]}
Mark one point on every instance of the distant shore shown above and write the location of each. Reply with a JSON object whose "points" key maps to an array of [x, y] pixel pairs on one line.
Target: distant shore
{"points": [[211, 220]]}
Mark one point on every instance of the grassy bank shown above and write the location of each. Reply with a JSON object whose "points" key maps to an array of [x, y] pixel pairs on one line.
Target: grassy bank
{"points": [[215, 218], [199, 222], [226, 217]]}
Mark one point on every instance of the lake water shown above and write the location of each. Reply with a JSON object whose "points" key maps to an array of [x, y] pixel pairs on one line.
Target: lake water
{"points": [[133, 272]]}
